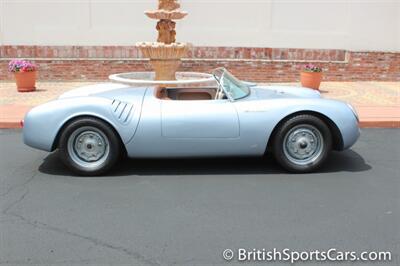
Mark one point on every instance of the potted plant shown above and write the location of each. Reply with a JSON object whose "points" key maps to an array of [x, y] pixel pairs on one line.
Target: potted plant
{"points": [[25, 74], [311, 76]]}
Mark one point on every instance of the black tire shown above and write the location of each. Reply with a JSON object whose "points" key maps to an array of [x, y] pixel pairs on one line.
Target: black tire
{"points": [[106, 145], [298, 137]]}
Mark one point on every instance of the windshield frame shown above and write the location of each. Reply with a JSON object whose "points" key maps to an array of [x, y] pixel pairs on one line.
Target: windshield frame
{"points": [[222, 73]]}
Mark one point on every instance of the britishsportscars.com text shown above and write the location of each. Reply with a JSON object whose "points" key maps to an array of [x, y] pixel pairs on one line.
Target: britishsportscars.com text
{"points": [[293, 256]]}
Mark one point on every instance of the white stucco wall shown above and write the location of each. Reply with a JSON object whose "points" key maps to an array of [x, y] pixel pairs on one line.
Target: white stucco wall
{"points": [[340, 24]]}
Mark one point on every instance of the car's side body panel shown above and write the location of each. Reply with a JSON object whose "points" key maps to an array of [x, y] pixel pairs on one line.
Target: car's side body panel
{"points": [[150, 140], [199, 119], [208, 128], [44, 122]]}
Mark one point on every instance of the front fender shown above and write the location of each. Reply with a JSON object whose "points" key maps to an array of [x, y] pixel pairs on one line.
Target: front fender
{"points": [[338, 112], [258, 119], [341, 115]]}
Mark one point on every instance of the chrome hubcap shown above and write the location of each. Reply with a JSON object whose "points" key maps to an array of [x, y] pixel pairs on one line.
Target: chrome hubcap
{"points": [[303, 144], [88, 147]]}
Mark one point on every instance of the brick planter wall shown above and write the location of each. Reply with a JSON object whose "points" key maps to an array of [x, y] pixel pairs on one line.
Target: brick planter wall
{"points": [[254, 64]]}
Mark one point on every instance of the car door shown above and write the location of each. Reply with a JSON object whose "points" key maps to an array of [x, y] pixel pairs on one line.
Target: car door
{"points": [[199, 119], [199, 128]]}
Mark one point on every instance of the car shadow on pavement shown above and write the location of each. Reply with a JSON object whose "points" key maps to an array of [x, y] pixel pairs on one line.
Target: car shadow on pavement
{"points": [[347, 161]]}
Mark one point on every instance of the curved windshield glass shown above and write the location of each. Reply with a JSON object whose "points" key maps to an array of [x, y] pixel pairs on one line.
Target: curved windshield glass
{"points": [[233, 88]]}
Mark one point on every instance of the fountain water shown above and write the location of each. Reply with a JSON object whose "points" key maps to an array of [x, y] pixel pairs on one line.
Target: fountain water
{"points": [[165, 54]]}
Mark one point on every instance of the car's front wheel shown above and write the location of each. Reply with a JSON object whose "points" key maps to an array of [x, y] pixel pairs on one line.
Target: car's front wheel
{"points": [[89, 146], [302, 143]]}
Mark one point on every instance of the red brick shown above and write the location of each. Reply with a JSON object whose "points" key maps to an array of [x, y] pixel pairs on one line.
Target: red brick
{"points": [[360, 66]]}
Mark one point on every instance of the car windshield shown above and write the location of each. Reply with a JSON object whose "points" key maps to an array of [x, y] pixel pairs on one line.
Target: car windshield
{"points": [[233, 88]]}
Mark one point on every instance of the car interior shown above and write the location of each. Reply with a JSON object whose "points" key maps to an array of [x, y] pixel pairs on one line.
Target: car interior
{"points": [[190, 94]]}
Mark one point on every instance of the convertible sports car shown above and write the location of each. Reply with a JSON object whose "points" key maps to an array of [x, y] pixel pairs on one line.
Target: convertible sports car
{"points": [[93, 126]]}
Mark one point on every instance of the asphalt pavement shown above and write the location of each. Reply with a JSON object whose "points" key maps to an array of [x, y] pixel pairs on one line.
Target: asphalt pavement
{"points": [[187, 212]]}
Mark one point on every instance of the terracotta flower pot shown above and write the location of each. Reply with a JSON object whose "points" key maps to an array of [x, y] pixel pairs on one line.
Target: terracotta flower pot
{"points": [[25, 81], [311, 79]]}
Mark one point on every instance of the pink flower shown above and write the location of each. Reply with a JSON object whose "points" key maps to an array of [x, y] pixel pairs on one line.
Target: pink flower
{"points": [[312, 68], [18, 65]]}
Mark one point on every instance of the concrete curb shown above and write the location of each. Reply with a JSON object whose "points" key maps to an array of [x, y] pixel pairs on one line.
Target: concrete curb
{"points": [[9, 125], [379, 124]]}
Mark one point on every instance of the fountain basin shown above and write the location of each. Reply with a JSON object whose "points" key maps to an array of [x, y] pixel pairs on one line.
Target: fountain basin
{"points": [[183, 79], [162, 51]]}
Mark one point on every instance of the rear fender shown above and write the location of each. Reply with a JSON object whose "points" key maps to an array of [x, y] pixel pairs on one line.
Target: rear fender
{"points": [[43, 123]]}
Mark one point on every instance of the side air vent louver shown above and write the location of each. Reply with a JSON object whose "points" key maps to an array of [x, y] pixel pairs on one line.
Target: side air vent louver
{"points": [[121, 111]]}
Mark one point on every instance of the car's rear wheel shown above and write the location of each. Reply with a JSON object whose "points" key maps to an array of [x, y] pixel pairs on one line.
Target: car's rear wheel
{"points": [[89, 146], [302, 143]]}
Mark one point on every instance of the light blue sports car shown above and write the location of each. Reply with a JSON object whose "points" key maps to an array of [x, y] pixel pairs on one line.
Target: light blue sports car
{"points": [[93, 126]]}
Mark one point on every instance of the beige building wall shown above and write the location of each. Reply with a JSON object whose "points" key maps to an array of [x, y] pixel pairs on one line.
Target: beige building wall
{"points": [[358, 25]]}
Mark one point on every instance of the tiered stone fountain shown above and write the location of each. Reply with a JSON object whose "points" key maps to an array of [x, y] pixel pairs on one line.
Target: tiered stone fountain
{"points": [[165, 54]]}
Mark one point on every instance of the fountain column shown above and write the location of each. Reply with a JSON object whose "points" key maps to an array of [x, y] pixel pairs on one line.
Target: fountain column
{"points": [[165, 54]]}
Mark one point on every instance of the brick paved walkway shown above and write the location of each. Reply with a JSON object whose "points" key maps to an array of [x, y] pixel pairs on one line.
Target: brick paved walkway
{"points": [[378, 103]]}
